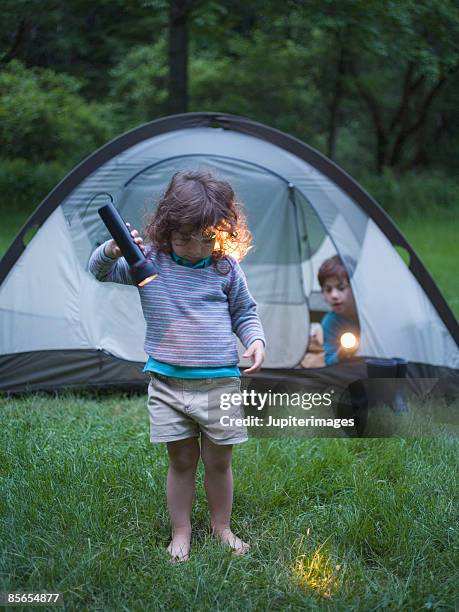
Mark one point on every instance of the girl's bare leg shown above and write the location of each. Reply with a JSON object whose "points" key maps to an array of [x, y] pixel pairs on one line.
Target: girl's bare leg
{"points": [[218, 482], [183, 459]]}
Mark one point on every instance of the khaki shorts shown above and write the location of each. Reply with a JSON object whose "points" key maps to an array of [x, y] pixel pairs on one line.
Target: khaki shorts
{"points": [[181, 408]]}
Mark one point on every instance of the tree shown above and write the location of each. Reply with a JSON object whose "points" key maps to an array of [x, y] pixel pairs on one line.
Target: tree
{"points": [[179, 12], [79, 37], [139, 85], [399, 79]]}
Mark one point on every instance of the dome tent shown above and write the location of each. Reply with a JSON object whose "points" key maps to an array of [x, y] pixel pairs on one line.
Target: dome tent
{"points": [[60, 327]]}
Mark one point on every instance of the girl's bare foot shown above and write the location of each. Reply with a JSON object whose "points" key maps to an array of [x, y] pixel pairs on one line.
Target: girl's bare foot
{"points": [[179, 547], [226, 536]]}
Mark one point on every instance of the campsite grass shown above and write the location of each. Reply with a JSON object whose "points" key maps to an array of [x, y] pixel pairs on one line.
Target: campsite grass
{"points": [[12, 221], [334, 523], [434, 238]]}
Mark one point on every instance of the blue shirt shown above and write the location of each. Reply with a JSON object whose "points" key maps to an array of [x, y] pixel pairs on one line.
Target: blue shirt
{"points": [[167, 369], [334, 326]]}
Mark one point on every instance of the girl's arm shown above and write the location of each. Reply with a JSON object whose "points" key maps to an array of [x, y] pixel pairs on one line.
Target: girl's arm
{"points": [[245, 321], [108, 269]]}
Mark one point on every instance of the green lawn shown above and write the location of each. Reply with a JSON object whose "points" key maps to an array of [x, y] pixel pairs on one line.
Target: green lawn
{"points": [[12, 222], [334, 524], [434, 238]]}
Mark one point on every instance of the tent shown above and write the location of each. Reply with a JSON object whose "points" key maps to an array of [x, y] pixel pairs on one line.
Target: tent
{"points": [[59, 327]]}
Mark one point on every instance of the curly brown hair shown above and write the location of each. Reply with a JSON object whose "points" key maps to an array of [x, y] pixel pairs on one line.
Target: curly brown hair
{"points": [[200, 199]]}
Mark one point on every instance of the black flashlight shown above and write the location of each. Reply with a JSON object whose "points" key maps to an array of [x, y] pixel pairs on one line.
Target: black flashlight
{"points": [[141, 269]]}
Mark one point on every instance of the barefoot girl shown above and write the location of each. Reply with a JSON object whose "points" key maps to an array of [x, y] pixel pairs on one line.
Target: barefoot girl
{"points": [[193, 308]]}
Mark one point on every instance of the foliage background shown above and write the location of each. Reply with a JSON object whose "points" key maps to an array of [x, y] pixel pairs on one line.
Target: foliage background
{"points": [[372, 84]]}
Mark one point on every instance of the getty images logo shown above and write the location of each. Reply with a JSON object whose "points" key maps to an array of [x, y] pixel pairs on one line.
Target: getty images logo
{"points": [[252, 399]]}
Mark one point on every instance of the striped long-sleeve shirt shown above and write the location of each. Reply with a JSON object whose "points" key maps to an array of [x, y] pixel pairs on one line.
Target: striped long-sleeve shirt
{"points": [[191, 314]]}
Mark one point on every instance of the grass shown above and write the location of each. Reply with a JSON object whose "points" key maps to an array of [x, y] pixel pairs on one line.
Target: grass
{"points": [[334, 524], [434, 238], [12, 221]]}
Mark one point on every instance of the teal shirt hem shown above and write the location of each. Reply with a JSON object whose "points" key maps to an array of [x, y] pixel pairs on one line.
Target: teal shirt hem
{"points": [[167, 369]]}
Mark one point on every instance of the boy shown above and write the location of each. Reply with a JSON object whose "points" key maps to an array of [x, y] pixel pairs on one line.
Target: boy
{"points": [[334, 281]]}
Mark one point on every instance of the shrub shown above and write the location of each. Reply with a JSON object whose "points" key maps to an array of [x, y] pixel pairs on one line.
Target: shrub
{"points": [[413, 195], [138, 85], [23, 184], [43, 118], [254, 80]]}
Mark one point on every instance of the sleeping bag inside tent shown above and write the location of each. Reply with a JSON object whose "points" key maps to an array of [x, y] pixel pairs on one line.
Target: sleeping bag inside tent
{"points": [[60, 327]]}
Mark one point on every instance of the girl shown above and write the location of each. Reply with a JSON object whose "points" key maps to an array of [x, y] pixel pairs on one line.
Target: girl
{"points": [[199, 298]]}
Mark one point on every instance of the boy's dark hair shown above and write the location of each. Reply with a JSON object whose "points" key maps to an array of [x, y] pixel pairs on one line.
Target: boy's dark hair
{"points": [[199, 198], [334, 266]]}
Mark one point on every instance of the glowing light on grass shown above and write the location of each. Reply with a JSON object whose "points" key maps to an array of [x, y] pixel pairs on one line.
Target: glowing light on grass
{"points": [[317, 573], [348, 340]]}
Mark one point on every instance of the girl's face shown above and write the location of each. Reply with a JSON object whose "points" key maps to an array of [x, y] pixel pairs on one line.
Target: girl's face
{"points": [[192, 244]]}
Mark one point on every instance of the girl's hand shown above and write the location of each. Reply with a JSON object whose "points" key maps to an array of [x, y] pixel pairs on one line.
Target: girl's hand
{"points": [[112, 249], [256, 352]]}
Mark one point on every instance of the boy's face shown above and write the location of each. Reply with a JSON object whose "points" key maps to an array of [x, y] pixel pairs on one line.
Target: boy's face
{"points": [[192, 244], [338, 295]]}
